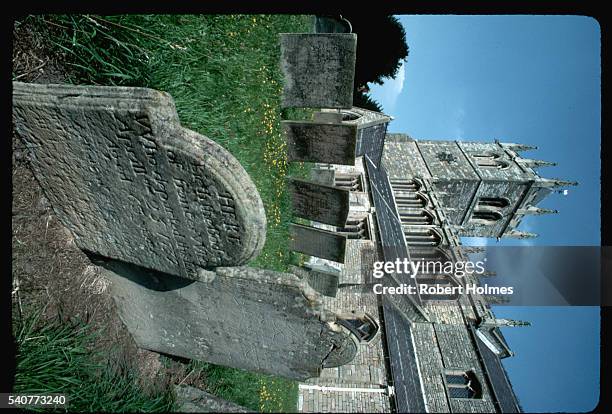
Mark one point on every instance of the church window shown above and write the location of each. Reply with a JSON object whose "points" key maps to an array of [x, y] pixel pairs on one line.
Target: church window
{"points": [[351, 182], [422, 217], [494, 202], [490, 160], [355, 229], [363, 327], [405, 185], [462, 384], [422, 237], [486, 217], [407, 200]]}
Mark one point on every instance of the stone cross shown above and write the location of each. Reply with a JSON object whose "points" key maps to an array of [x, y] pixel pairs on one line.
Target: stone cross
{"points": [[132, 184]]}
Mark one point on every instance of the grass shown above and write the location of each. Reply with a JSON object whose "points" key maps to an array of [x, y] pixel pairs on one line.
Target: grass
{"points": [[55, 357], [258, 392], [223, 74]]}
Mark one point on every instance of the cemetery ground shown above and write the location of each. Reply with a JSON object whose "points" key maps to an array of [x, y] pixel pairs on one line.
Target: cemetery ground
{"points": [[223, 74]]}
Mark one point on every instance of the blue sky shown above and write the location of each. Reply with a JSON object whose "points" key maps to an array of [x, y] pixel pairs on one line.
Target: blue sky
{"points": [[533, 80]]}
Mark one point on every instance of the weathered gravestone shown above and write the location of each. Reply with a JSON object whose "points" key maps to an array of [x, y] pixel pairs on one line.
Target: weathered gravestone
{"points": [[331, 116], [317, 242], [319, 69], [247, 318], [132, 184], [322, 203], [324, 282], [193, 400], [371, 129], [320, 142], [323, 176]]}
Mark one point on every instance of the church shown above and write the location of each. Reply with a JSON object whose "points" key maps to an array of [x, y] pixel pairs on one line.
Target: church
{"points": [[414, 199]]}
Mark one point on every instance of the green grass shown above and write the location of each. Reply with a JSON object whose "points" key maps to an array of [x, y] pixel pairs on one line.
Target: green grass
{"points": [[56, 358], [223, 73], [258, 392]]}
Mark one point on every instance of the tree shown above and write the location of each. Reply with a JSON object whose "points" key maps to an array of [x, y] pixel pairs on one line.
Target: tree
{"points": [[365, 101], [381, 47]]}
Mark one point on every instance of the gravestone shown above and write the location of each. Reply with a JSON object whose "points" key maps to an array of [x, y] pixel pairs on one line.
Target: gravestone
{"points": [[323, 176], [318, 69], [332, 117], [193, 400], [326, 283], [322, 203], [246, 318], [317, 242], [132, 184], [320, 142], [371, 129]]}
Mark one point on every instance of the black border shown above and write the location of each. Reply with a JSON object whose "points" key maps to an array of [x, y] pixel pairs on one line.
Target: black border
{"points": [[311, 7]]}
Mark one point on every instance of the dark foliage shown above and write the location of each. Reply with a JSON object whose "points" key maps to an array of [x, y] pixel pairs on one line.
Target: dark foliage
{"points": [[363, 100], [381, 47]]}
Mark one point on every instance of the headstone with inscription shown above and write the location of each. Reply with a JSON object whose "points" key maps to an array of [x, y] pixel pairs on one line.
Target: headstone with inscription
{"points": [[317, 242], [246, 318], [132, 184], [319, 69], [318, 202], [325, 142]]}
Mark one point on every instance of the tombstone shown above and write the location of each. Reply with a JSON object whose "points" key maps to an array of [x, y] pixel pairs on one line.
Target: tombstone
{"points": [[132, 184], [194, 400], [318, 69], [317, 242], [252, 319], [322, 203], [325, 176], [371, 129], [332, 116], [320, 142], [326, 283]]}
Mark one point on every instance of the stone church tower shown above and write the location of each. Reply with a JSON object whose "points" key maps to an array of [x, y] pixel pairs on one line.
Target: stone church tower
{"points": [[484, 189]]}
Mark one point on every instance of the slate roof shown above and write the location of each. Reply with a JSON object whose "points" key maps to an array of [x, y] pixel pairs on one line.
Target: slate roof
{"points": [[408, 391]]}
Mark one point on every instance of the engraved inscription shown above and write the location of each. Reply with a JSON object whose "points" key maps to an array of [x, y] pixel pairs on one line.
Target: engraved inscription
{"points": [[133, 185]]}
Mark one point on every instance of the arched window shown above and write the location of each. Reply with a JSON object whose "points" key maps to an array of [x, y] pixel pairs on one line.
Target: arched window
{"points": [[487, 156], [422, 237], [405, 185], [462, 384], [422, 217], [355, 229], [490, 160], [351, 182], [363, 327], [410, 200], [493, 202], [486, 217], [431, 254]]}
